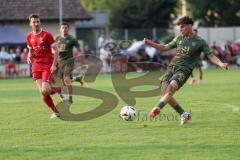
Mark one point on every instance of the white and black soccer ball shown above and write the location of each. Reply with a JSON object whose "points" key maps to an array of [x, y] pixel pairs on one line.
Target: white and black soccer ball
{"points": [[128, 113]]}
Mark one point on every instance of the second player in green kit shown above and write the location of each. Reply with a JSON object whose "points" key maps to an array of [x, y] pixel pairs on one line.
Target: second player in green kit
{"points": [[66, 43]]}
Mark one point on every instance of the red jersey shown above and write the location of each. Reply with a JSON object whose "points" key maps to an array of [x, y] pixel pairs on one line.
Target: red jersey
{"points": [[41, 44]]}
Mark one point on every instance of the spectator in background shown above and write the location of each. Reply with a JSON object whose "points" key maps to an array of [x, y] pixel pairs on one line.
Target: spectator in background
{"points": [[11, 69], [101, 41], [160, 59], [236, 47], [24, 55], [157, 56], [133, 56], [88, 51], [17, 59], [236, 50], [229, 54], [4, 55], [133, 49], [12, 54], [217, 51], [108, 39], [104, 54], [143, 55], [150, 51]]}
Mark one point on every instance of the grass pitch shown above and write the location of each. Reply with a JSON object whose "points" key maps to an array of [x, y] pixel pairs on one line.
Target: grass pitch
{"points": [[27, 132]]}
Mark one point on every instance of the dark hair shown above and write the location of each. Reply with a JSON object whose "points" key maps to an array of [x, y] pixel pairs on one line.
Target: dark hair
{"points": [[64, 24], [33, 15], [185, 20]]}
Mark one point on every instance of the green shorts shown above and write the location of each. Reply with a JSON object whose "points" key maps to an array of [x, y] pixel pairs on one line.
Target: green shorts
{"points": [[178, 74], [199, 63], [65, 68]]}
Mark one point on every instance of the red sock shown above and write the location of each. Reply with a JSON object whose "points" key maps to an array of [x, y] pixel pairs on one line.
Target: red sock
{"points": [[48, 100], [55, 90]]}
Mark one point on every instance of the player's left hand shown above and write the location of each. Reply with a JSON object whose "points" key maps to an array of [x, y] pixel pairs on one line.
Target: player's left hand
{"points": [[224, 66]]}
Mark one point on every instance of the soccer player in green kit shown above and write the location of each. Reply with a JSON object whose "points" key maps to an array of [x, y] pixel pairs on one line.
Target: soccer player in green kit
{"points": [[188, 49], [65, 44]]}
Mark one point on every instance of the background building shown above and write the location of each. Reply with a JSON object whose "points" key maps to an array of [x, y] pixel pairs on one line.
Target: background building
{"points": [[15, 13]]}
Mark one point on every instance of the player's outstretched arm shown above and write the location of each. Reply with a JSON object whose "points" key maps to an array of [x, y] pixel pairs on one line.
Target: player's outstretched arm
{"points": [[157, 46], [218, 62]]}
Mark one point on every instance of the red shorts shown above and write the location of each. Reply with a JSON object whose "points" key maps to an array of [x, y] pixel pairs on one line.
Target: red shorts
{"points": [[45, 75]]}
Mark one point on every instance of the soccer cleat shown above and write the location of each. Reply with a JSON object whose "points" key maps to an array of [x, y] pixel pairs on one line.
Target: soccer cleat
{"points": [[70, 101], [185, 117], [55, 115], [63, 97], [154, 112]]}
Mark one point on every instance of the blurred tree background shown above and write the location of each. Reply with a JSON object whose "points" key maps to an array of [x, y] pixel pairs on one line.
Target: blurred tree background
{"points": [[215, 12], [135, 13], [160, 13]]}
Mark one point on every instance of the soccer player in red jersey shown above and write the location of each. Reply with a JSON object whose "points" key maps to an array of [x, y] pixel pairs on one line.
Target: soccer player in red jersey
{"points": [[43, 55]]}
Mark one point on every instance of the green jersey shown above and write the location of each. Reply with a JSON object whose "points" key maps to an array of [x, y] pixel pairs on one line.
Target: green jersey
{"points": [[65, 46], [188, 51]]}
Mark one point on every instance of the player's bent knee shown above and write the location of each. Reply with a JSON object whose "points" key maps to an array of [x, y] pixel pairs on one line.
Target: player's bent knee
{"points": [[46, 89], [170, 90], [174, 85]]}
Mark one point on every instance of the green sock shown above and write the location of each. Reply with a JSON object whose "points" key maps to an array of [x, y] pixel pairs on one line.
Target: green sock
{"points": [[161, 104], [178, 109]]}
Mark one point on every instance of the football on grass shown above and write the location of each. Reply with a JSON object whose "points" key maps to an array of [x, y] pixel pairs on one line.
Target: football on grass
{"points": [[128, 113]]}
